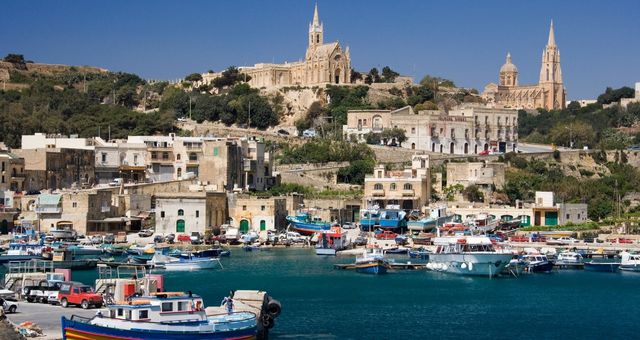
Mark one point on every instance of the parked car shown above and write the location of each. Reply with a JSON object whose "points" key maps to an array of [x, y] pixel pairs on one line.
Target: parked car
{"points": [[621, 240], [386, 235], [76, 293], [145, 232], [484, 153], [293, 237], [309, 133], [249, 237], [8, 306], [158, 239], [349, 225], [195, 238], [563, 240], [283, 132], [538, 238], [361, 240], [519, 239], [184, 238], [42, 292]]}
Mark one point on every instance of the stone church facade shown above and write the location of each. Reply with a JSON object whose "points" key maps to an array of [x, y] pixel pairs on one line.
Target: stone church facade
{"points": [[549, 93], [323, 64]]}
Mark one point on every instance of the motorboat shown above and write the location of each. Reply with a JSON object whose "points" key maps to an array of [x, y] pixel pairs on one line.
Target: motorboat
{"points": [[630, 262], [597, 266], [307, 224], [419, 253], [570, 260], [369, 218], [169, 263], [63, 231], [392, 217], [161, 316], [332, 241], [538, 263], [467, 255], [372, 262], [23, 252], [81, 249]]}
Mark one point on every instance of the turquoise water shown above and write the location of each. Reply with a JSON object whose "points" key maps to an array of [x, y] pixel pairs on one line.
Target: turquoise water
{"points": [[322, 303]]}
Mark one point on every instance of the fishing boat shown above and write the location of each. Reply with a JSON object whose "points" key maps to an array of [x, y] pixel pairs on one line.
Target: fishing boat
{"points": [[396, 250], [371, 262], [137, 250], [467, 255], [63, 258], [608, 267], [630, 262], [306, 224], [419, 253], [211, 252], [80, 249], [63, 231], [369, 218], [482, 223], [392, 217], [161, 316], [569, 260], [332, 241], [256, 246], [515, 267], [538, 263], [23, 252], [169, 263]]}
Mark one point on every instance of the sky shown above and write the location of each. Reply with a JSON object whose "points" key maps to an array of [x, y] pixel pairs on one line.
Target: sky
{"points": [[462, 40]]}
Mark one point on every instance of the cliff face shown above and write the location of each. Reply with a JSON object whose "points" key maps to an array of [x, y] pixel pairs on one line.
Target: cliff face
{"points": [[47, 68]]}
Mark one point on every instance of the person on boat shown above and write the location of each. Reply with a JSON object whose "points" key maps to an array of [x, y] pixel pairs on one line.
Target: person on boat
{"points": [[228, 302]]}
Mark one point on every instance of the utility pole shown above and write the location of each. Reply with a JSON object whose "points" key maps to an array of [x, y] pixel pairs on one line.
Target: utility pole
{"points": [[189, 106], [249, 116]]}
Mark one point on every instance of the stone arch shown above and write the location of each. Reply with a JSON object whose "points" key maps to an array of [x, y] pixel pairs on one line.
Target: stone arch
{"points": [[466, 148], [451, 148]]}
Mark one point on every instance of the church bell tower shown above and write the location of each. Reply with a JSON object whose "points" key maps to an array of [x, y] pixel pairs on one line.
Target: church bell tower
{"points": [[315, 30], [551, 74]]}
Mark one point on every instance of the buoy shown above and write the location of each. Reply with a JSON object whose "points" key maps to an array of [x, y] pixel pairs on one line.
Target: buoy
{"points": [[463, 265], [470, 266], [445, 267]]}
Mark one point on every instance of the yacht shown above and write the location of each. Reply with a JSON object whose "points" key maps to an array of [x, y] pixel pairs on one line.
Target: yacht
{"points": [[467, 255], [570, 260], [630, 262], [538, 263]]}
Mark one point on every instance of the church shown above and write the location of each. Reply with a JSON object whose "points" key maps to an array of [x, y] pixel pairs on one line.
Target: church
{"points": [[323, 64], [549, 93]]}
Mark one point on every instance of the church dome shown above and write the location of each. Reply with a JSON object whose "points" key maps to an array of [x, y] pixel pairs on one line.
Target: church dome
{"points": [[508, 66]]}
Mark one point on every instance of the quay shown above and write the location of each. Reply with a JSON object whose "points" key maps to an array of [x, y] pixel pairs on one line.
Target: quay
{"points": [[47, 317]]}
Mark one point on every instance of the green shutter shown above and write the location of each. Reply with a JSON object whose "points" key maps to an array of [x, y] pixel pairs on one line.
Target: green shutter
{"points": [[215, 151]]}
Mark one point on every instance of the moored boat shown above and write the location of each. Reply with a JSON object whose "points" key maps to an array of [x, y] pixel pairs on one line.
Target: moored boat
{"points": [[23, 252], [170, 263], [372, 262], [369, 218], [608, 267], [392, 217], [161, 316], [419, 253], [329, 242], [306, 224], [467, 255], [569, 260], [538, 263], [630, 262]]}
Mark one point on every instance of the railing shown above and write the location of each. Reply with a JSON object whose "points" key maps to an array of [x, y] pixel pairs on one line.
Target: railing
{"points": [[48, 210]]}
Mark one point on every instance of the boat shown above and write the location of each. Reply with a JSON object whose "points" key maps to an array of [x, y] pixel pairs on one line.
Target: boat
{"points": [[306, 224], [538, 263], [161, 316], [437, 217], [423, 238], [114, 249], [63, 231], [170, 263], [515, 267], [369, 218], [419, 253], [63, 258], [392, 217], [137, 250], [79, 249], [18, 252], [396, 250], [256, 246], [570, 260], [467, 255], [630, 262], [371, 262], [608, 267], [482, 223], [212, 252], [332, 241]]}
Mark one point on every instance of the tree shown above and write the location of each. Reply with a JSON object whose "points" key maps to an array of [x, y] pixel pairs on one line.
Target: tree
{"points": [[610, 95], [372, 77], [193, 77], [434, 83], [573, 106], [396, 135], [472, 193], [576, 133], [356, 171], [127, 96], [14, 58], [355, 76], [372, 138], [230, 77], [389, 75]]}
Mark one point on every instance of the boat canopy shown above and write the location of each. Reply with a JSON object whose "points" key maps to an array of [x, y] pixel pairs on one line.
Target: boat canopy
{"points": [[476, 240]]}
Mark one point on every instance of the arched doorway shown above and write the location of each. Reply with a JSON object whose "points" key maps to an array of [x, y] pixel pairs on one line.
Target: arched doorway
{"points": [[244, 226], [486, 146], [451, 148], [53, 183], [179, 173], [475, 149], [413, 146], [433, 147], [440, 148], [466, 148], [180, 226], [337, 75], [263, 225]]}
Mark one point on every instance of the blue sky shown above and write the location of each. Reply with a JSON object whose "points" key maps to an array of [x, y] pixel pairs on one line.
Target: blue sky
{"points": [[465, 41]]}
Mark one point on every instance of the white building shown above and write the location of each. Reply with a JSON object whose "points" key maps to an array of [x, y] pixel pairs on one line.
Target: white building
{"points": [[188, 212]]}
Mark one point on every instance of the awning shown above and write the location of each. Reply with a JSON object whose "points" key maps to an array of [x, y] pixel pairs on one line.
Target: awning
{"points": [[144, 215], [49, 199]]}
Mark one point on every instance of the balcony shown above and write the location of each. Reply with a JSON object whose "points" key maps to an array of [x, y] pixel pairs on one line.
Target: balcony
{"points": [[48, 210], [377, 193], [160, 148], [162, 160], [408, 192]]}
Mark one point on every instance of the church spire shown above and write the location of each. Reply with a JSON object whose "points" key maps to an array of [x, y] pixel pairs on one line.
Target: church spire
{"points": [[552, 36], [315, 29], [316, 19]]}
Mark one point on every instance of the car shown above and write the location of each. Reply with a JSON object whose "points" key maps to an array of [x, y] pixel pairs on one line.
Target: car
{"points": [[634, 148], [195, 238], [563, 240], [309, 133], [519, 239], [361, 240], [8, 306], [386, 235], [182, 119], [158, 239], [183, 238], [621, 240], [349, 225], [283, 132], [145, 232], [41, 292], [79, 294]]}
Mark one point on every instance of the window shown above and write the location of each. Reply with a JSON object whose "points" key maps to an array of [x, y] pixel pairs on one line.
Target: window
{"points": [[128, 314], [165, 155], [143, 314], [408, 186], [135, 159], [3, 179], [178, 157], [215, 151], [393, 186], [413, 130], [74, 204], [377, 186], [120, 312], [262, 207], [162, 214], [183, 305], [197, 213], [244, 207], [193, 156], [2, 166], [104, 158], [568, 216], [180, 212], [167, 307]]}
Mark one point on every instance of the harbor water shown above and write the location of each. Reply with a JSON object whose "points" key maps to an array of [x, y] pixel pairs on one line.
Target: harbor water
{"points": [[320, 302]]}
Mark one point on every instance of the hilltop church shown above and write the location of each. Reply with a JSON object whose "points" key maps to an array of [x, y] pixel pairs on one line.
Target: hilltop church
{"points": [[549, 93], [323, 64]]}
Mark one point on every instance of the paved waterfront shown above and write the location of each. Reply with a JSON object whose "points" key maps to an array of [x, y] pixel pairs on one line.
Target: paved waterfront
{"points": [[46, 316]]}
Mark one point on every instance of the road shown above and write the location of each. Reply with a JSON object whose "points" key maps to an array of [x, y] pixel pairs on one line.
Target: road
{"points": [[46, 317]]}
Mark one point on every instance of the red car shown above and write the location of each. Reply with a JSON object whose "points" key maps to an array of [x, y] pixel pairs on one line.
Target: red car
{"points": [[386, 235], [484, 153], [184, 238], [79, 294], [519, 239], [621, 240]]}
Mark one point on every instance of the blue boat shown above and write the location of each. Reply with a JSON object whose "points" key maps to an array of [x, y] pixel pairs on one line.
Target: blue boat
{"points": [[392, 218], [372, 263], [212, 252], [161, 316], [21, 252], [369, 219], [305, 223], [608, 267], [420, 253], [538, 263]]}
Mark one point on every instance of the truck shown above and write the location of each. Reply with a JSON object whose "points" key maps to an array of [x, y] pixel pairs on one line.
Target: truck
{"points": [[79, 294], [43, 292]]}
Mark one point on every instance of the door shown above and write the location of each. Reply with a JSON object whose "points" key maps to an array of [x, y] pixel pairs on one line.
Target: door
{"points": [[180, 226], [244, 226], [4, 227], [551, 218], [263, 225], [536, 218]]}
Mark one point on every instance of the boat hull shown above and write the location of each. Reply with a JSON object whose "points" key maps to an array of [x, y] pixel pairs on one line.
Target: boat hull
{"points": [[546, 267], [190, 265], [474, 264], [602, 267], [326, 251], [375, 267], [73, 330], [630, 267], [18, 258]]}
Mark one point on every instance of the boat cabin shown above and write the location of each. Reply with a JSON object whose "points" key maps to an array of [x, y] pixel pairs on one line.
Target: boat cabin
{"points": [[471, 244], [160, 307]]}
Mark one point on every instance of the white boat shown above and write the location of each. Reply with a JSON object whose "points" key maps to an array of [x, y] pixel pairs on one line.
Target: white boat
{"points": [[169, 263], [467, 255], [329, 242], [63, 231], [630, 262], [570, 260]]}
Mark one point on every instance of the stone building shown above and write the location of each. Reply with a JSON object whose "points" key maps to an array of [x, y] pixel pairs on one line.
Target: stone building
{"points": [[467, 129], [188, 212], [549, 93], [57, 168], [483, 174], [12, 175], [254, 213], [409, 188], [120, 159], [323, 64]]}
